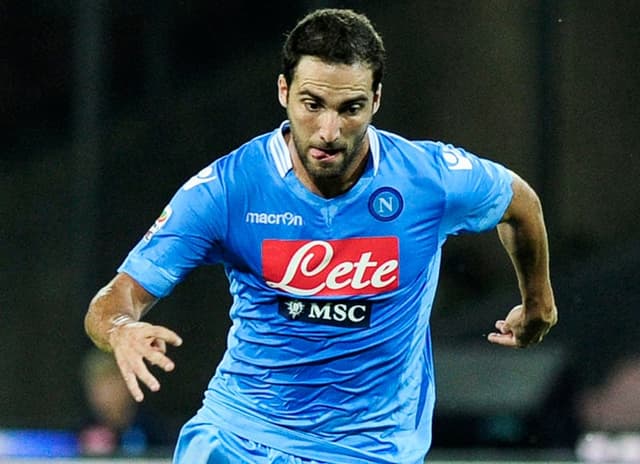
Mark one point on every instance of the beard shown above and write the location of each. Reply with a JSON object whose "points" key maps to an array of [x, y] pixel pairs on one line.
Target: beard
{"points": [[346, 152]]}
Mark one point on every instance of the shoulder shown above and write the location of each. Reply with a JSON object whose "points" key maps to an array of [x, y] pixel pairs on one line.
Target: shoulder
{"points": [[246, 161], [441, 155], [389, 140], [419, 151], [415, 158], [247, 154]]}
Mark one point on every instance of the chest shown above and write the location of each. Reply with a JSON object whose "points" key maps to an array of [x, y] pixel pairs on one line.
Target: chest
{"points": [[372, 240]]}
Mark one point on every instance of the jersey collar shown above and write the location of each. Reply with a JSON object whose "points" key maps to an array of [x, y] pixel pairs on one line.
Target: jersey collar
{"points": [[282, 157]]}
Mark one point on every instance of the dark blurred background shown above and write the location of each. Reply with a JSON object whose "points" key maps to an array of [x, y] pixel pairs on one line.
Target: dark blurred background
{"points": [[107, 107]]}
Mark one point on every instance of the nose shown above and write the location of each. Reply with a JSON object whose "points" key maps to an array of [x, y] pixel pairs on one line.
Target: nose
{"points": [[330, 126]]}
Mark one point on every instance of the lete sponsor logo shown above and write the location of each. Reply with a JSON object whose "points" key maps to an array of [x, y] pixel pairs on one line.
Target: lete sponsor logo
{"points": [[355, 266]]}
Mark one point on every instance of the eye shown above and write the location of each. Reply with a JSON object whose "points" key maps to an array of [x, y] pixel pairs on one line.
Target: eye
{"points": [[353, 109], [311, 105]]}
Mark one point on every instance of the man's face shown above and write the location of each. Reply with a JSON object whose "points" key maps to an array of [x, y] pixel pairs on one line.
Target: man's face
{"points": [[329, 107]]}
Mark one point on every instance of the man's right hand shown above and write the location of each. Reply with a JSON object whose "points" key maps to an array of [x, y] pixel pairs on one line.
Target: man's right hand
{"points": [[113, 324], [135, 344]]}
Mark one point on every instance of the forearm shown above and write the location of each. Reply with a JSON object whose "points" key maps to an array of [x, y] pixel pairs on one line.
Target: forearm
{"points": [[119, 302], [112, 324], [527, 247], [523, 235]]}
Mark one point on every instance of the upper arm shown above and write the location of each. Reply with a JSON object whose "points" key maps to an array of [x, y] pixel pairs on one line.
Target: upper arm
{"points": [[524, 204], [187, 234], [478, 191]]}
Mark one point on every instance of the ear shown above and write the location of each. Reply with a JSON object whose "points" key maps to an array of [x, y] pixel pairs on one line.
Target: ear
{"points": [[283, 91], [376, 98]]}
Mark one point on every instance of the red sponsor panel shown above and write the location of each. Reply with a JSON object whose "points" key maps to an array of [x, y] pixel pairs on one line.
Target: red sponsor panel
{"points": [[354, 266]]}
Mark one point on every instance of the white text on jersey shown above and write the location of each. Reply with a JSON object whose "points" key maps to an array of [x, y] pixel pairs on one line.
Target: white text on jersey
{"points": [[286, 219]]}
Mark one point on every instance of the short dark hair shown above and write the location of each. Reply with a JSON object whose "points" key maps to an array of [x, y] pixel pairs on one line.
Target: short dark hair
{"points": [[337, 36]]}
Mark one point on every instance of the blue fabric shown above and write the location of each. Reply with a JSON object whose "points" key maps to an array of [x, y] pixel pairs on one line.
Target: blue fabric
{"points": [[330, 343], [203, 443]]}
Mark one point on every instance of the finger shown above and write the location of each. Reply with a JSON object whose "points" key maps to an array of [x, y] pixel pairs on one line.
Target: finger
{"points": [[142, 372], [131, 381], [503, 327], [502, 339], [159, 345], [165, 334], [158, 358]]}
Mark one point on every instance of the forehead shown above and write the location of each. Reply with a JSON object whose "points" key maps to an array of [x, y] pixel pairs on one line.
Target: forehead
{"points": [[317, 76]]}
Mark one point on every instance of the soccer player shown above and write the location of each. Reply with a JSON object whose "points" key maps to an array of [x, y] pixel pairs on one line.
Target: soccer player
{"points": [[330, 232]]}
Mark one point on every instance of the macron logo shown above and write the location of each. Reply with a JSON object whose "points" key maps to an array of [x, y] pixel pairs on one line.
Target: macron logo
{"points": [[285, 219]]}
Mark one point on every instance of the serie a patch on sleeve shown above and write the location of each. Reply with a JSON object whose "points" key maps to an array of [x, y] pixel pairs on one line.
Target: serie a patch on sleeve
{"points": [[159, 223]]}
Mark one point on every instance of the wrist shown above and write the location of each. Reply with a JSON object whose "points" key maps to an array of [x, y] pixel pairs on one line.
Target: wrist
{"points": [[115, 323], [120, 320], [541, 307]]}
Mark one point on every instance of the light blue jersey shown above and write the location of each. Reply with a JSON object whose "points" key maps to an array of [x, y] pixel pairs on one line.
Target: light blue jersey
{"points": [[329, 354]]}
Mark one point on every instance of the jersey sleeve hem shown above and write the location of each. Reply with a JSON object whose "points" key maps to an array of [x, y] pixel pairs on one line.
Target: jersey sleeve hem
{"points": [[154, 280]]}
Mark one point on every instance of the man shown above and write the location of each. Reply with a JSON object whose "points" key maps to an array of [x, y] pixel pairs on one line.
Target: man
{"points": [[330, 231]]}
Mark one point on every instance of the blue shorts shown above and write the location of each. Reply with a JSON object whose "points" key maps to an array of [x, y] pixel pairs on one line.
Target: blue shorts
{"points": [[204, 443]]}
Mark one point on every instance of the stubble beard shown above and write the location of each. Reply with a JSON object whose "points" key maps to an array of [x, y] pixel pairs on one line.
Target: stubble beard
{"points": [[330, 172]]}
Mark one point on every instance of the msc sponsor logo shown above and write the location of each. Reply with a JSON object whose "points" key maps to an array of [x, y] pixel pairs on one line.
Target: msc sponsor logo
{"points": [[337, 313], [285, 219]]}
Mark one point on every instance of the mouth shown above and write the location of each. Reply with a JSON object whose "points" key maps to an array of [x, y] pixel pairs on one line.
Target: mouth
{"points": [[320, 154]]}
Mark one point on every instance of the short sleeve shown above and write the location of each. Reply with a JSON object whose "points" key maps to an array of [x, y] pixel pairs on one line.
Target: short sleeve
{"points": [[477, 191], [186, 235]]}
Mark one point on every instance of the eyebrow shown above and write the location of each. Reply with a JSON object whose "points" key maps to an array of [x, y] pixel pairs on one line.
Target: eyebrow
{"points": [[344, 104]]}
